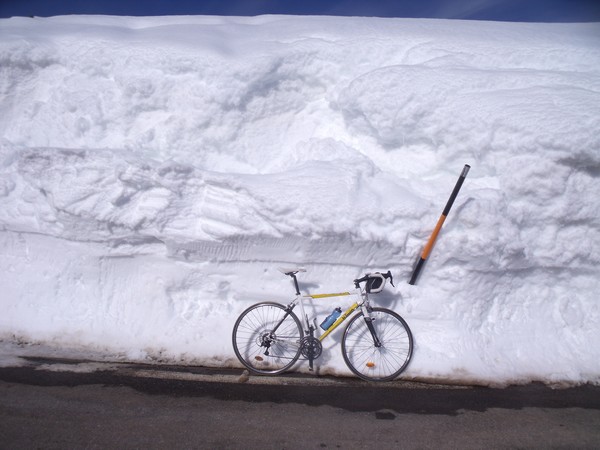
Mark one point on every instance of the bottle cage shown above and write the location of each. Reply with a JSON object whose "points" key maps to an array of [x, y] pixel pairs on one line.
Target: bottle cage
{"points": [[375, 283]]}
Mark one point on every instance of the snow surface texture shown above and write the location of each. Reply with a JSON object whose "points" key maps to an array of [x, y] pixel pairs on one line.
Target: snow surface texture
{"points": [[154, 173]]}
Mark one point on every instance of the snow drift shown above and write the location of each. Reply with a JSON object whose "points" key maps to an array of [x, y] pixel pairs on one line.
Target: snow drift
{"points": [[154, 172]]}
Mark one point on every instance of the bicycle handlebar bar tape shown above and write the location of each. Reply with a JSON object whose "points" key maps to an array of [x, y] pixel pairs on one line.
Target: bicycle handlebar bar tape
{"points": [[438, 226]]}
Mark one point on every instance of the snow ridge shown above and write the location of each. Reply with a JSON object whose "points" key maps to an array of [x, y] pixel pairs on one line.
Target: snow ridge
{"points": [[155, 171]]}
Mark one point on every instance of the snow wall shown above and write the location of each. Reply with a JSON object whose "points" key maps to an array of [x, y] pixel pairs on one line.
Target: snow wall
{"points": [[154, 173]]}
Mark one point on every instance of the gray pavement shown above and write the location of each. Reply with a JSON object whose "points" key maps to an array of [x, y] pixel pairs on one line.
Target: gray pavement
{"points": [[54, 403]]}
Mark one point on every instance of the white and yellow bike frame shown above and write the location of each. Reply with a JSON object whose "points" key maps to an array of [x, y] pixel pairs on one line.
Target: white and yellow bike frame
{"points": [[340, 319], [309, 329]]}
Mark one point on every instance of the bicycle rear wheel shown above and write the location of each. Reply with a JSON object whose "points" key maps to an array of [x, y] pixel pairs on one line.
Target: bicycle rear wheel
{"points": [[373, 363], [266, 338]]}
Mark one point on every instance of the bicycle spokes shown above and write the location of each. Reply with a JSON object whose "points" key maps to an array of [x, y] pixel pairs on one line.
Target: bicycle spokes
{"points": [[266, 338], [379, 349]]}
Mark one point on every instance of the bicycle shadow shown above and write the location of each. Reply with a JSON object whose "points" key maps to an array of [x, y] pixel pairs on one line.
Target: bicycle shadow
{"points": [[386, 299]]}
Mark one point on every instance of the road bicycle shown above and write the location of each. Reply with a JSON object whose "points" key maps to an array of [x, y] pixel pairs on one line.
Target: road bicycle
{"points": [[377, 344]]}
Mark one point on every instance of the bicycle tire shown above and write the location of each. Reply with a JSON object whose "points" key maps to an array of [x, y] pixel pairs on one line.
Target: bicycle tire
{"points": [[373, 363], [259, 349]]}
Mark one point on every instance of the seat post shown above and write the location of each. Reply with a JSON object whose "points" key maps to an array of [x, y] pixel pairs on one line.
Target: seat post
{"points": [[293, 275]]}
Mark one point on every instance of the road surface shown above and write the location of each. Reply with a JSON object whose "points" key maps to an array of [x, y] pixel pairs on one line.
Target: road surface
{"points": [[75, 404]]}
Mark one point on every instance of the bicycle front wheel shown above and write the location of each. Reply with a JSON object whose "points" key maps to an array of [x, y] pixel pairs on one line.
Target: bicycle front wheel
{"points": [[267, 337], [381, 360]]}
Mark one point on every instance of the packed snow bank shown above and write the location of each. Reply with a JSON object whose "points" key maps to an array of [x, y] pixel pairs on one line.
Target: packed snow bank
{"points": [[155, 172]]}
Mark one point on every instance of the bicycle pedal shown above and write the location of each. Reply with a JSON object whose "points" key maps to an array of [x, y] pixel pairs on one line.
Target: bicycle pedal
{"points": [[370, 364]]}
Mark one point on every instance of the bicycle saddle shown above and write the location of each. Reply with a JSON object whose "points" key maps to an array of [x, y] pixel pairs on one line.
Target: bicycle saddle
{"points": [[291, 270]]}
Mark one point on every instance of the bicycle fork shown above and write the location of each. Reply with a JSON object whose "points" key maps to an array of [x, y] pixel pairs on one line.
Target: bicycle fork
{"points": [[369, 321], [371, 327]]}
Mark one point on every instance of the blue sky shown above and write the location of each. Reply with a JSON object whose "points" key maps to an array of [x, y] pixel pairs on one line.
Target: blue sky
{"points": [[506, 10]]}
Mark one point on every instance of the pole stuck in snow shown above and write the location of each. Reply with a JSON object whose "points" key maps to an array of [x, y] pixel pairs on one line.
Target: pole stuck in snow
{"points": [[438, 226]]}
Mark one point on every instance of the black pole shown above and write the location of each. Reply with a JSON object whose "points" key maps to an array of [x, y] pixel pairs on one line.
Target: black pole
{"points": [[438, 226]]}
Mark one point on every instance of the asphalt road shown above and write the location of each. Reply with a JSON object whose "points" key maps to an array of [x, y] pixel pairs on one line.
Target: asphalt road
{"points": [[67, 404]]}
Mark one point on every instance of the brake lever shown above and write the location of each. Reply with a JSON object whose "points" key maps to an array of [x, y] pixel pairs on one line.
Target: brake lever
{"points": [[389, 275], [360, 280]]}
